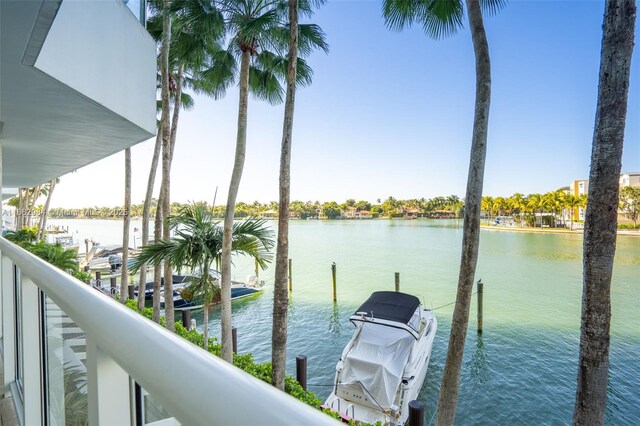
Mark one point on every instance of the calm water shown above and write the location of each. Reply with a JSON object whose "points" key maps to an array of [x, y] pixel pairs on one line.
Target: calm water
{"points": [[523, 368]]}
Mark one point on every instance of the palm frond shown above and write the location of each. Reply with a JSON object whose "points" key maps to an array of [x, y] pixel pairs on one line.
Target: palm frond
{"points": [[218, 75], [439, 18], [265, 85], [492, 7]]}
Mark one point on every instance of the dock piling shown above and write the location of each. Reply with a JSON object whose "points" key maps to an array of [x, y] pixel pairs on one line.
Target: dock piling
{"points": [[132, 294], [333, 277], [98, 279], [186, 318], [301, 370], [290, 276], [112, 282], [480, 292], [397, 282], [234, 339], [416, 413]]}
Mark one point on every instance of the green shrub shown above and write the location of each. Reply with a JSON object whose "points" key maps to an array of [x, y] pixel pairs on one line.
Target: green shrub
{"points": [[246, 363]]}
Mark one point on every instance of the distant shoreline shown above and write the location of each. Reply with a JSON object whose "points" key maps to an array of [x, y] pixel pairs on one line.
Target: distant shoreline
{"points": [[627, 232]]}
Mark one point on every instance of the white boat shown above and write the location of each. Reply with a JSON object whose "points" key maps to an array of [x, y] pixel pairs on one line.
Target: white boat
{"points": [[384, 365]]}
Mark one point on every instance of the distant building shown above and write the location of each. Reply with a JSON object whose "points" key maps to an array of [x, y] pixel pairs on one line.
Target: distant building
{"points": [[581, 187], [630, 179], [354, 213], [577, 188]]}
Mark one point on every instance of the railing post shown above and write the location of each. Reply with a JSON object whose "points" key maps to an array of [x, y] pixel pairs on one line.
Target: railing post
{"points": [[31, 351], [108, 388]]}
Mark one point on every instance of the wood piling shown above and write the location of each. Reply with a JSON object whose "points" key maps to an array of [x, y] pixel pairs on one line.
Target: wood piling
{"points": [[186, 318], [98, 278], [333, 277], [480, 293], [301, 370], [234, 339], [416, 413], [113, 285]]}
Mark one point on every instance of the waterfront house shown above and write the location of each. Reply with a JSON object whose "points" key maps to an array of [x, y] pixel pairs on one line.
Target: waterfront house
{"points": [[78, 83]]}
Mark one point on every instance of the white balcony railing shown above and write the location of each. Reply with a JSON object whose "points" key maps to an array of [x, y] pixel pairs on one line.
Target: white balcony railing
{"points": [[71, 351]]}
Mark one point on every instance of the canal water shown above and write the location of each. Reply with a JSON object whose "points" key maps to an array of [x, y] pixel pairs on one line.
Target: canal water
{"points": [[522, 370]]}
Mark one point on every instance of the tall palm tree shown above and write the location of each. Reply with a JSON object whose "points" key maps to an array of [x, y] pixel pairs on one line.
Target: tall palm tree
{"points": [[601, 218], [124, 274], [441, 18], [198, 243], [534, 203], [166, 141], [280, 291], [258, 37]]}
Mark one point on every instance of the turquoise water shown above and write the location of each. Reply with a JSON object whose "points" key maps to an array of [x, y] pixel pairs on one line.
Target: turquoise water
{"points": [[522, 369]]}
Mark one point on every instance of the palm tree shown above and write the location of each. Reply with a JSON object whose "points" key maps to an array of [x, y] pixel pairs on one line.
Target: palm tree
{"points": [[42, 225], [55, 254], [258, 37], [441, 18], [601, 218], [572, 202], [518, 205], [124, 274], [198, 243], [280, 292], [534, 202]]}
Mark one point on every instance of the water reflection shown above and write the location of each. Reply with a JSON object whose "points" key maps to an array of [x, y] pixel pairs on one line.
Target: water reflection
{"points": [[479, 370], [335, 324]]}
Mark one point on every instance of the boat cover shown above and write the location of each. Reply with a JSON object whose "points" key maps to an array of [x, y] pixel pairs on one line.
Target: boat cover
{"points": [[376, 362], [390, 305]]}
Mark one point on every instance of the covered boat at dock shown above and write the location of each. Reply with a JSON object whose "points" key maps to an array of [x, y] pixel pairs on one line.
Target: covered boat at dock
{"points": [[384, 365]]}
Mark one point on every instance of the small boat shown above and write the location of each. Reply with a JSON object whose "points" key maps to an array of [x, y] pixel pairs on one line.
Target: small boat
{"points": [[238, 290], [384, 365]]}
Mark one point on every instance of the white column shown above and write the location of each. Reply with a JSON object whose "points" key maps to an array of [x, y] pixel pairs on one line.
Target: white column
{"points": [[8, 322], [32, 353], [109, 389]]}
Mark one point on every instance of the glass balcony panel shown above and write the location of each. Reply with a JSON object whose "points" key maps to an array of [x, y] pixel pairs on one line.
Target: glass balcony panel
{"points": [[153, 413], [66, 371]]}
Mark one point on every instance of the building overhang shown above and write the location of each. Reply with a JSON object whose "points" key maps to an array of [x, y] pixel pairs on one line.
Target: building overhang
{"points": [[77, 84]]}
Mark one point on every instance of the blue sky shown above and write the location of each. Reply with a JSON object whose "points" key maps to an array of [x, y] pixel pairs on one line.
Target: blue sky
{"points": [[390, 113]]}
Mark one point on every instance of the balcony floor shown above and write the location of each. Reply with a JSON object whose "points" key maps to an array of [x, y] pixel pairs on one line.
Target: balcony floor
{"points": [[7, 410]]}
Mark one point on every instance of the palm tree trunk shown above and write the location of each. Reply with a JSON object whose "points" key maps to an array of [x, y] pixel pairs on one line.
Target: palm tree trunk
{"points": [[205, 332], [471, 228], [157, 269], [45, 210], [145, 215], [280, 291], [601, 219], [234, 185], [166, 156], [124, 274]]}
